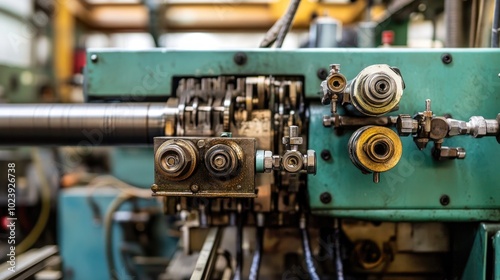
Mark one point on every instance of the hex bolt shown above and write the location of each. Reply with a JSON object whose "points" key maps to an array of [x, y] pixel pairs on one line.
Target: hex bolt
{"points": [[446, 58], [325, 198], [444, 200], [326, 155], [195, 188]]}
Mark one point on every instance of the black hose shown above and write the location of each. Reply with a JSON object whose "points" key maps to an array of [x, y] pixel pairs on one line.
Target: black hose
{"points": [[239, 248], [496, 25], [311, 269], [257, 257], [338, 259], [287, 22]]}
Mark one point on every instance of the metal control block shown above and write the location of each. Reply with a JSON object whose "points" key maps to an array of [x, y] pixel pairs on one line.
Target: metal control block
{"points": [[207, 167]]}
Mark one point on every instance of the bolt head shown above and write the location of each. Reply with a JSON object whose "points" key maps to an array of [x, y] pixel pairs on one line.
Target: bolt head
{"points": [[195, 188], [325, 198], [201, 143], [154, 188]]}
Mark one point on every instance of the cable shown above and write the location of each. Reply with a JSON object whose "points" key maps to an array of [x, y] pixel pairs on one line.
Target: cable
{"points": [[42, 220], [239, 244], [257, 257], [496, 25], [338, 259], [111, 181], [311, 269], [108, 233], [287, 22], [271, 35]]}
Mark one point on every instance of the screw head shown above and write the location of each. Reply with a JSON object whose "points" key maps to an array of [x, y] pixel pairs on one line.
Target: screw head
{"points": [[195, 188], [154, 188], [446, 58], [322, 73], [201, 143], [93, 58], [325, 197], [444, 200], [326, 155], [240, 58]]}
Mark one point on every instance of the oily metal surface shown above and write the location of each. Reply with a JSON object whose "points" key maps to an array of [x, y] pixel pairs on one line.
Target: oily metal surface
{"points": [[201, 183], [364, 145]]}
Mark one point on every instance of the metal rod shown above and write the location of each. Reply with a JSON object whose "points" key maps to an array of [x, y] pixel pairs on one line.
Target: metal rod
{"points": [[208, 256], [496, 25], [82, 124], [346, 121]]}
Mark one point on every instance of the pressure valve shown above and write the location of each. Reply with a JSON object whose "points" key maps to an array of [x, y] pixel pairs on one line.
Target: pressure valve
{"points": [[292, 161]]}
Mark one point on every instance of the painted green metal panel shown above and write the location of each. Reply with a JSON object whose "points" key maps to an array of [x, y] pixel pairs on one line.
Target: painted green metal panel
{"points": [[479, 263], [496, 248], [134, 165], [467, 86], [149, 73], [418, 181]]}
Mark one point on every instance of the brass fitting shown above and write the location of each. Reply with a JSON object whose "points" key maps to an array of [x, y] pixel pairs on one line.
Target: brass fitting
{"points": [[375, 149]]}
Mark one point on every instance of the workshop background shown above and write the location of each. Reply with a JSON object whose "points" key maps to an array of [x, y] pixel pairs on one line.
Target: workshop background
{"points": [[84, 204]]}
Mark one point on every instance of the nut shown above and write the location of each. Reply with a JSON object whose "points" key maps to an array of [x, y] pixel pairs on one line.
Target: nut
{"points": [[477, 126], [268, 161], [404, 125], [276, 162], [311, 162], [456, 127]]}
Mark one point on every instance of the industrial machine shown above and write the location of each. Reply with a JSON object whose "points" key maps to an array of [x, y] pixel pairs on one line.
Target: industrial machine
{"points": [[259, 155]]}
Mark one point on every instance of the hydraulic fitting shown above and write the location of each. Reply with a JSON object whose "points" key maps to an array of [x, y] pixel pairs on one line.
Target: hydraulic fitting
{"points": [[223, 160], [293, 161], [176, 159], [375, 149], [376, 90]]}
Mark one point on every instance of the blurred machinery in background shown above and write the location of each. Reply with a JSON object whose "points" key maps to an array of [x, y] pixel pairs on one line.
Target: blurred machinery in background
{"points": [[252, 154], [249, 163]]}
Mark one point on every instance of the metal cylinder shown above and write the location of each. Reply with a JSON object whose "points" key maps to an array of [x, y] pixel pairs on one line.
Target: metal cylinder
{"points": [[375, 149], [83, 124], [454, 23], [176, 159], [375, 91]]}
